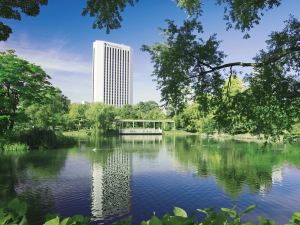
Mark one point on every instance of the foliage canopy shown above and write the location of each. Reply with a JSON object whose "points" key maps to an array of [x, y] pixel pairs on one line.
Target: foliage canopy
{"points": [[21, 84], [238, 14], [186, 68]]}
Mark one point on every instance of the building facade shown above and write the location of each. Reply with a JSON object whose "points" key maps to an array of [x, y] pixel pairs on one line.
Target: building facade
{"points": [[112, 73]]}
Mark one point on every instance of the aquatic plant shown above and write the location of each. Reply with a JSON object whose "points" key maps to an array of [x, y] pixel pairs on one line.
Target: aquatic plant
{"points": [[15, 214], [226, 216], [15, 147]]}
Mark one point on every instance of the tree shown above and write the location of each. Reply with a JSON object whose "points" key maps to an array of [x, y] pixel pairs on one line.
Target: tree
{"points": [[178, 62], [241, 15], [21, 84], [76, 118], [13, 9], [189, 118], [149, 110], [186, 66], [269, 106], [101, 116], [127, 112], [50, 113]]}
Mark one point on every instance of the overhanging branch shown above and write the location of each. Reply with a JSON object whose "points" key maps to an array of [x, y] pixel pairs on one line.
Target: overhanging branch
{"points": [[247, 64]]}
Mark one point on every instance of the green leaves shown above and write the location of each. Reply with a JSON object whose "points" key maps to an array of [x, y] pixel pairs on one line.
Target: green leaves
{"points": [[179, 212], [15, 214], [18, 207], [54, 221], [226, 216], [75, 220], [295, 219], [21, 84], [13, 10], [107, 13], [249, 209]]}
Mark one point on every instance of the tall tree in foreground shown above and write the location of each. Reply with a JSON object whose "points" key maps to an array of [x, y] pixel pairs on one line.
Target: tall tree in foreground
{"points": [[21, 84], [188, 67]]}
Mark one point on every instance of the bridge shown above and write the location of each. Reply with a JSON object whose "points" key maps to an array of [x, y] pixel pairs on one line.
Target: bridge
{"points": [[144, 126]]}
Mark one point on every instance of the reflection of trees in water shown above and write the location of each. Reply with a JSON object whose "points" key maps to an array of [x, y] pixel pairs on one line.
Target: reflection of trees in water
{"points": [[44, 164], [8, 178], [40, 202], [236, 164], [111, 184], [19, 175]]}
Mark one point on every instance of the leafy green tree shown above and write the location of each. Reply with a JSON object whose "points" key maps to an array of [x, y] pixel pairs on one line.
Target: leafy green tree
{"points": [[186, 66], [50, 113], [13, 9], [189, 118], [21, 84], [101, 116], [233, 86], [76, 119], [241, 15], [269, 106], [149, 110], [127, 112], [178, 62]]}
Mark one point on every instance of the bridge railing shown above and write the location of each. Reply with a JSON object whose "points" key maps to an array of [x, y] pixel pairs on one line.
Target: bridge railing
{"points": [[140, 131]]}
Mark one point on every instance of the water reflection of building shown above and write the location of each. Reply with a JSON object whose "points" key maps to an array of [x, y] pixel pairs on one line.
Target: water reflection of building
{"points": [[111, 185], [277, 175], [142, 138]]}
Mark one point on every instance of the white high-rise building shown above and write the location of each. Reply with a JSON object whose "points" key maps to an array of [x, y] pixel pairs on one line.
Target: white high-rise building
{"points": [[112, 73]]}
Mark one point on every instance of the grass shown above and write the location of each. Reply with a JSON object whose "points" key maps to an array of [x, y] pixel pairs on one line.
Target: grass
{"points": [[77, 134], [15, 147], [179, 132]]}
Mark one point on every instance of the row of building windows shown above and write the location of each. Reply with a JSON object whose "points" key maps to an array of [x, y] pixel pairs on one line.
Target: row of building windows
{"points": [[116, 76]]}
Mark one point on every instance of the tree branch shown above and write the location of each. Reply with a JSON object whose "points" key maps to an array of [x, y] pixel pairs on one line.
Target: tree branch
{"points": [[248, 64]]}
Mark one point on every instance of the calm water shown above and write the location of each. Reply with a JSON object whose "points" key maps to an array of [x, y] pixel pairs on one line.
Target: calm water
{"points": [[112, 178]]}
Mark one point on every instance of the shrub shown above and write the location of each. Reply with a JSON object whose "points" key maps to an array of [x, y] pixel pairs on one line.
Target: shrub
{"points": [[40, 138], [15, 147], [225, 217], [15, 213]]}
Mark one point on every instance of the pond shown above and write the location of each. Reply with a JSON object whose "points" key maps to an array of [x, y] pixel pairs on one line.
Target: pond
{"points": [[111, 178]]}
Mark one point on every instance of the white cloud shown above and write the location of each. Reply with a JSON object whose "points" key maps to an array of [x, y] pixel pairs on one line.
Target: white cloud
{"points": [[72, 71], [51, 55]]}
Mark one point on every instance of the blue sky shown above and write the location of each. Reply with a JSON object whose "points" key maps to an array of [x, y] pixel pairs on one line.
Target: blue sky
{"points": [[60, 40]]}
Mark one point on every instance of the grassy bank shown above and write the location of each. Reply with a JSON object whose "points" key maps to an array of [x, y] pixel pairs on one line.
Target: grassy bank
{"points": [[178, 133], [293, 137], [33, 139], [83, 134]]}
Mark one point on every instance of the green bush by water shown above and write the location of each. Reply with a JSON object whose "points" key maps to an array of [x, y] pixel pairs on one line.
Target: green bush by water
{"points": [[15, 147], [40, 138]]}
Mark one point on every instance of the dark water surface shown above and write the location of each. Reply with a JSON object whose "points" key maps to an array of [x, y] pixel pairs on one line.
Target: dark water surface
{"points": [[112, 178]]}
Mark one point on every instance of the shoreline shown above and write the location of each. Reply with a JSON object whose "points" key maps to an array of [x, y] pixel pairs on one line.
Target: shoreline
{"points": [[238, 137]]}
